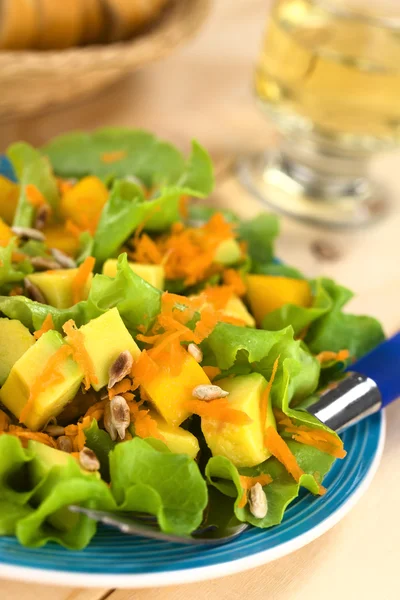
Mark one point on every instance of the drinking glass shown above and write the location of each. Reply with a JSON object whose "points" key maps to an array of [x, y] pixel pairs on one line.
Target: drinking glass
{"points": [[329, 78]]}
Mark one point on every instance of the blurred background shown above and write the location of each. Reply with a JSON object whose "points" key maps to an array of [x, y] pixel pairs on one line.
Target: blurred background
{"points": [[201, 89]]}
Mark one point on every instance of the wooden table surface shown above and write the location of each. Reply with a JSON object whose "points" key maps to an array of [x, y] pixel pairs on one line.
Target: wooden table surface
{"points": [[204, 91]]}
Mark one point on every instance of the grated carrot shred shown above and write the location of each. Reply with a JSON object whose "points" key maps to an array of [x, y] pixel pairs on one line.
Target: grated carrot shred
{"points": [[146, 251], [96, 411], [112, 157], [35, 196], [187, 253], [144, 369], [120, 388], [309, 440], [233, 279], [278, 448], [265, 396], [145, 425], [47, 325], [170, 330], [318, 438], [48, 377], [26, 434], [80, 279], [327, 356], [219, 410], [218, 296], [76, 340], [248, 482]]}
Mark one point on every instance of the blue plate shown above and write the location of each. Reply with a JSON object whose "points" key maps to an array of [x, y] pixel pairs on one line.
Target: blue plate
{"points": [[116, 560]]}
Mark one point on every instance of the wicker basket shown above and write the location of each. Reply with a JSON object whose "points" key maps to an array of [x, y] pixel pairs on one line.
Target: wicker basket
{"points": [[31, 81]]}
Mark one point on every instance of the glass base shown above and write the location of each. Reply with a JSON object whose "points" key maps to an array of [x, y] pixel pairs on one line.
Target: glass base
{"points": [[337, 195]]}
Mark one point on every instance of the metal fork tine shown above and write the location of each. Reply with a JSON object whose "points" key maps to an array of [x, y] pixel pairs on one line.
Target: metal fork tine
{"points": [[129, 525]]}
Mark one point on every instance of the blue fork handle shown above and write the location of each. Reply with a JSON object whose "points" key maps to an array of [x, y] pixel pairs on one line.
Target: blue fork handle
{"points": [[370, 384], [382, 365]]}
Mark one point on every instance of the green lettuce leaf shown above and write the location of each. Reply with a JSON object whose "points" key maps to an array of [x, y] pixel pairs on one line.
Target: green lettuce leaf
{"points": [[278, 269], [100, 442], [57, 487], [329, 327], [138, 302], [31, 167], [222, 474], [336, 331], [239, 350], [260, 233], [201, 213], [153, 480], [300, 317], [13, 469], [151, 160], [127, 206]]}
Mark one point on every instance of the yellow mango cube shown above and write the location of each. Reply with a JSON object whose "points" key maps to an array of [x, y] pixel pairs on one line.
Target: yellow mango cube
{"points": [[9, 195], [170, 393], [243, 445], [58, 237], [5, 233], [236, 308], [266, 293], [84, 202]]}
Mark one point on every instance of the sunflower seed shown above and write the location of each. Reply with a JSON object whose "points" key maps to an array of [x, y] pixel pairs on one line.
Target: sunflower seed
{"points": [[108, 423], [258, 503], [54, 430], [28, 233], [120, 368], [195, 351], [88, 460], [40, 263], [42, 215], [120, 415], [63, 259], [209, 392], [33, 292], [64, 443]]}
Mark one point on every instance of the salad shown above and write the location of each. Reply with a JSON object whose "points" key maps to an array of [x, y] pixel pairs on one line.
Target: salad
{"points": [[154, 355]]}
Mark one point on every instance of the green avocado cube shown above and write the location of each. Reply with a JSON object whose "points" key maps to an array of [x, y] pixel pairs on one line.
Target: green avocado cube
{"points": [[228, 252], [105, 338], [51, 401], [243, 445], [15, 340], [56, 286]]}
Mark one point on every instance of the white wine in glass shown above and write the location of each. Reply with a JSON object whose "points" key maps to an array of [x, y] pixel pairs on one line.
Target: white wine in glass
{"points": [[329, 77]]}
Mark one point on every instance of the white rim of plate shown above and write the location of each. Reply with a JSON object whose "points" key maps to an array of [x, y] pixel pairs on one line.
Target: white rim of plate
{"points": [[162, 579]]}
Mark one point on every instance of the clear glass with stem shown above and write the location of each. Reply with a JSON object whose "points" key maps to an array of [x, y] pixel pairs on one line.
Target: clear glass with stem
{"points": [[329, 78]]}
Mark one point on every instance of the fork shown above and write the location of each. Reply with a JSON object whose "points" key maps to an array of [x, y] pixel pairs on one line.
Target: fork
{"points": [[146, 526]]}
